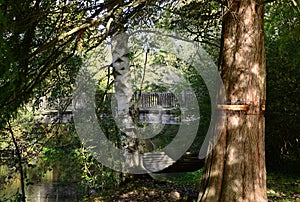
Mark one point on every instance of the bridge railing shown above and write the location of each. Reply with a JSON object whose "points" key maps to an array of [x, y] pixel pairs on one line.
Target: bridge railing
{"points": [[149, 103], [145, 100], [163, 99], [62, 104], [154, 99]]}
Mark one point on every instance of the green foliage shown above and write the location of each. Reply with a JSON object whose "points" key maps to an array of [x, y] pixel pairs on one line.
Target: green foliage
{"points": [[283, 187], [197, 20], [185, 178], [27, 28], [22, 142], [160, 63], [59, 154], [72, 162], [39, 38], [283, 74], [39, 46]]}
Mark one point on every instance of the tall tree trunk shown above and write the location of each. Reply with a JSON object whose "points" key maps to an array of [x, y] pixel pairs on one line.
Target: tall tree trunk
{"points": [[123, 95], [235, 169]]}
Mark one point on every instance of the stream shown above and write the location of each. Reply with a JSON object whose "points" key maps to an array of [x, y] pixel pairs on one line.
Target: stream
{"points": [[44, 190]]}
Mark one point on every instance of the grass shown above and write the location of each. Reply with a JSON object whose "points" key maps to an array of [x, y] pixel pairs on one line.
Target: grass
{"points": [[281, 188]]}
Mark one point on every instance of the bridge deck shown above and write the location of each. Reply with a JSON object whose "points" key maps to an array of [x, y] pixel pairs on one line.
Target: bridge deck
{"points": [[162, 116], [154, 107]]}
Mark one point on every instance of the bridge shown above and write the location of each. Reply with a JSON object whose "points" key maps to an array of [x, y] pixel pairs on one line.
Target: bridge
{"points": [[153, 107]]}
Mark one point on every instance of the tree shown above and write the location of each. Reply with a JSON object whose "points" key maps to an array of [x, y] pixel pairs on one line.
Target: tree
{"points": [[282, 31], [38, 47], [39, 37], [235, 169]]}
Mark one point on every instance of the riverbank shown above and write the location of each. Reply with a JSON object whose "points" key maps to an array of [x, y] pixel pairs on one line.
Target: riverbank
{"points": [[281, 188], [148, 190]]}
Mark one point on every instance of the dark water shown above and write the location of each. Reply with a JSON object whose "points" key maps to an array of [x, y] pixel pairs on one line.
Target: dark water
{"points": [[46, 190], [52, 192]]}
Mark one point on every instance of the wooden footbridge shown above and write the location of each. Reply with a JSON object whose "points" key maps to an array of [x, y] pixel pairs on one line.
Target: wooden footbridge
{"points": [[153, 107]]}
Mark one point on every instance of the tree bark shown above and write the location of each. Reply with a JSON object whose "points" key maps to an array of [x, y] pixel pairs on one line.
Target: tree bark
{"points": [[19, 157], [123, 95], [235, 169]]}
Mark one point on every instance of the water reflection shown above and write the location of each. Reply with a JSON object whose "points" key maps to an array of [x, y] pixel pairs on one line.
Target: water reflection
{"points": [[52, 192], [44, 190]]}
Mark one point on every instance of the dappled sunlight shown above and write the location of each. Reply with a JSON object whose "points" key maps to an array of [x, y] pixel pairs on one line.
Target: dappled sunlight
{"points": [[236, 185], [146, 102], [215, 173], [249, 124], [255, 69], [150, 190], [233, 157], [248, 12], [234, 121], [212, 192]]}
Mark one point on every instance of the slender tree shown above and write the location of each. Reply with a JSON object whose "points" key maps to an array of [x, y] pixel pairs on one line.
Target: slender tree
{"points": [[235, 169], [123, 95], [40, 37]]}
